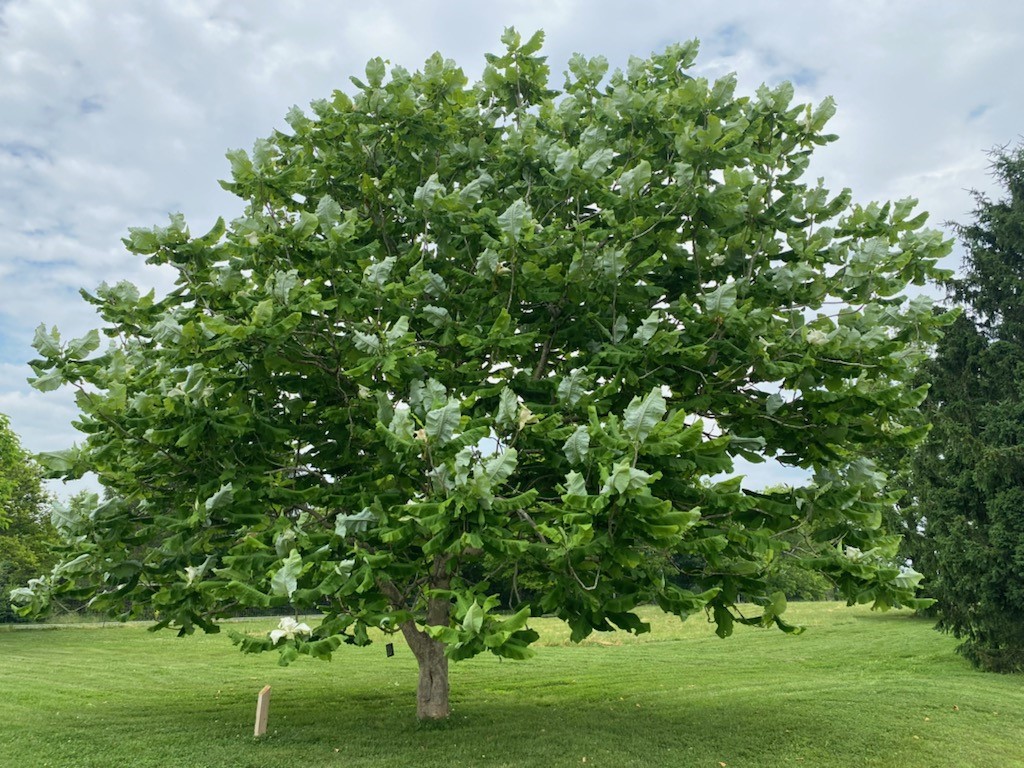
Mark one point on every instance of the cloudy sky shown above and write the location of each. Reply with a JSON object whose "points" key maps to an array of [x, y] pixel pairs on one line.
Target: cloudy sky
{"points": [[113, 114]]}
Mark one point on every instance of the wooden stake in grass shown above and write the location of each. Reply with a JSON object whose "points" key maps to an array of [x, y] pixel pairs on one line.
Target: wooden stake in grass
{"points": [[262, 711]]}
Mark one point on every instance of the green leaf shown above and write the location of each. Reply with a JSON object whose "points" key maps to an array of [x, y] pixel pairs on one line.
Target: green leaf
{"points": [[357, 523], [599, 162], [720, 300], [773, 403], [426, 194], [442, 422], [641, 416], [305, 225], [575, 484], [328, 212], [619, 329], [516, 220], [59, 462], [824, 112], [366, 342], [577, 446], [474, 192], [48, 381], [573, 386], [224, 496], [401, 424], [648, 328], [497, 469], [487, 263], [508, 408], [46, 343], [286, 579], [635, 179], [375, 71], [378, 273], [473, 621], [79, 349], [397, 330]]}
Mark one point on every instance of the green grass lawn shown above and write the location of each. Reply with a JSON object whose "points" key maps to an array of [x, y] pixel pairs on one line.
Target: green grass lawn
{"points": [[857, 689]]}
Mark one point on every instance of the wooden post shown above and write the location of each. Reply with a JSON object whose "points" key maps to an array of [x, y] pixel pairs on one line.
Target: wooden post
{"points": [[262, 711]]}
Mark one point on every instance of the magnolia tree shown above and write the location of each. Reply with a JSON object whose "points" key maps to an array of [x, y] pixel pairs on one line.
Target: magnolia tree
{"points": [[464, 333]]}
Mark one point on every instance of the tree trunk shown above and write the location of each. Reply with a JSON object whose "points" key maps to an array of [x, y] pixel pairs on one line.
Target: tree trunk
{"points": [[432, 692]]}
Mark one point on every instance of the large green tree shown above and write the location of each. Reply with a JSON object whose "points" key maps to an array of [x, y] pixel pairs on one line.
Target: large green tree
{"points": [[28, 542], [466, 332], [967, 489]]}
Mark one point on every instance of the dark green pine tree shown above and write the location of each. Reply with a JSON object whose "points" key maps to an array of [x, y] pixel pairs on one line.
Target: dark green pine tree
{"points": [[967, 482]]}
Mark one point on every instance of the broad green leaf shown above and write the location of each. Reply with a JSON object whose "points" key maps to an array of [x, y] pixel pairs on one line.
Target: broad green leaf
{"points": [[773, 403], [395, 332], [720, 300], [575, 484], [508, 408], [366, 342], [328, 212], [577, 446], [619, 329], [224, 496], [46, 343], [442, 422], [599, 162], [625, 477], [305, 225], [474, 192], [822, 114], [357, 523], [497, 469], [379, 272], [648, 328], [517, 220], [262, 314], [573, 386], [641, 416], [565, 162], [473, 621], [59, 462], [375, 71], [426, 194], [286, 579], [79, 349], [487, 263], [635, 179], [48, 381], [401, 424], [427, 395]]}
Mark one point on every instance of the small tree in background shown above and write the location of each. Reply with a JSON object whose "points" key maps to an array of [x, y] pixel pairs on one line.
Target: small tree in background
{"points": [[28, 541], [967, 488], [466, 332]]}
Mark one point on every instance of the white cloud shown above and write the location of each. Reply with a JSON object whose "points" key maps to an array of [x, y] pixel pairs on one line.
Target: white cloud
{"points": [[116, 114]]}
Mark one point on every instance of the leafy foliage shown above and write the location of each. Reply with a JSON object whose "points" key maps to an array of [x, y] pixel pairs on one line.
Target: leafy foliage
{"points": [[27, 539], [494, 324], [968, 478]]}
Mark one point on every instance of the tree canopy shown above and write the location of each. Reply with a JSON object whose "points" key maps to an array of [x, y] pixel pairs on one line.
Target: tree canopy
{"points": [[27, 540], [468, 332], [967, 490]]}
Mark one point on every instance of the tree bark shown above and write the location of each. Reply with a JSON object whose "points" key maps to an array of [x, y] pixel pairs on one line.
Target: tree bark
{"points": [[432, 692]]}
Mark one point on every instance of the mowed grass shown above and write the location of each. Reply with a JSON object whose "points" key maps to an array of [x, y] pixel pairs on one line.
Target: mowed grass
{"points": [[857, 689]]}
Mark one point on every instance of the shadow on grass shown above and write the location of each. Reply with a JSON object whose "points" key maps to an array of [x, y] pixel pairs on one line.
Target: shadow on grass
{"points": [[380, 728]]}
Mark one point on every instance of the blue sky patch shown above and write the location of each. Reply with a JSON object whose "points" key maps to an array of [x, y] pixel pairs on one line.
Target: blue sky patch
{"points": [[977, 112]]}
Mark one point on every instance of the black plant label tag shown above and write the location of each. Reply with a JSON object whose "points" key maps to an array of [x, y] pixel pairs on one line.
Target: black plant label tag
{"points": [[389, 649]]}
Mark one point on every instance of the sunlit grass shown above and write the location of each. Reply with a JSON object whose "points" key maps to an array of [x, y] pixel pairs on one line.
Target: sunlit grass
{"points": [[857, 689]]}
